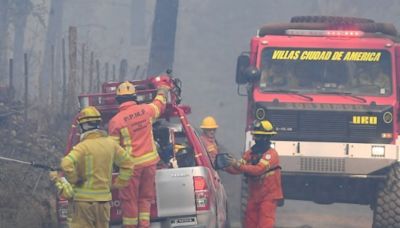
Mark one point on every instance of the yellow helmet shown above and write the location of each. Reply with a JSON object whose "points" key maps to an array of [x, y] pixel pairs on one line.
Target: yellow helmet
{"points": [[126, 88], [263, 127], [209, 123], [89, 114]]}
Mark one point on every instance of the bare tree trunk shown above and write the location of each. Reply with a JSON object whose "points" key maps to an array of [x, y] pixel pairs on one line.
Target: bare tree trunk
{"points": [[11, 88], [106, 71], [71, 104], [23, 9], [97, 76], [91, 69], [52, 38], [113, 73], [52, 100], [83, 70], [64, 79], [4, 21], [162, 48], [26, 85]]}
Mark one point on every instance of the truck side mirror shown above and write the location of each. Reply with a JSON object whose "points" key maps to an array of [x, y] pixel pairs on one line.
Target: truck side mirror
{"points": [[243, 62]]}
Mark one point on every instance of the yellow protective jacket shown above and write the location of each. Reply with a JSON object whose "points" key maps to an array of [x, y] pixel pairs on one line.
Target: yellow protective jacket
{"points": [[88, 166]]}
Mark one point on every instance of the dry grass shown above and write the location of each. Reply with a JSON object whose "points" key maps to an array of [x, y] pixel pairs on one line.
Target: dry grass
{"points": [[27, 198]]}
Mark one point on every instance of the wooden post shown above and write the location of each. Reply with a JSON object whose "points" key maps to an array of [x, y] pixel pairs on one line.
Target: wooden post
{"points": [[52, 78], [97, 76], [11, 89], [136, 72], [106, 72], [113, 72], [83, 70], [91, 69], [123, 69], [26, 87], [64, 79]]}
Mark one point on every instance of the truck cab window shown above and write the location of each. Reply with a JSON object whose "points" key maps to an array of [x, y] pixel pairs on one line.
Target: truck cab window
{"points": [[320, 71]]}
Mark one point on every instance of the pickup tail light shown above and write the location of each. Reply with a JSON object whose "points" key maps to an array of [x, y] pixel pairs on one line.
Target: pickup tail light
{"points": [[202, 195]]}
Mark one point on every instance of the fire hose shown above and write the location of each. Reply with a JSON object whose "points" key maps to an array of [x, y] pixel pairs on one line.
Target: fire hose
{"points": [[33, 164]]}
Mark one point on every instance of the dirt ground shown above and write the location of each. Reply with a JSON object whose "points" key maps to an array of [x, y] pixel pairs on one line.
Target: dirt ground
{"points": [[295, 214]]}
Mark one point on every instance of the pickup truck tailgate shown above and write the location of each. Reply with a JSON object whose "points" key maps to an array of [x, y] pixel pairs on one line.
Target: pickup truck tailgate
{"points": [[175, 192]]}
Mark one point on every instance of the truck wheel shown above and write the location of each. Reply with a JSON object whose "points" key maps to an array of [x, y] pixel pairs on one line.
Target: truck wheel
{"points": [[329, 19], [387, 207]]}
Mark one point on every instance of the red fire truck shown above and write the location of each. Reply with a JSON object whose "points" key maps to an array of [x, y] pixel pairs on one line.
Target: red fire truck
{"points": [[330, 87]]}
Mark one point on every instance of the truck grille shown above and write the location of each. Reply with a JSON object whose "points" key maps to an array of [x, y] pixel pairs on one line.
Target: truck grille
{"points": [[331, 165], [328, 124]]}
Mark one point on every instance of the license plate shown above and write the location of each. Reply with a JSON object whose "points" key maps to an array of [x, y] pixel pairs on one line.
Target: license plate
{"points": [[186, 221]]}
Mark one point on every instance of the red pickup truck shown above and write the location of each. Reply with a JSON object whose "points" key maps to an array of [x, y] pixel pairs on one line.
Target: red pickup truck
{"points": [[190, 195]]}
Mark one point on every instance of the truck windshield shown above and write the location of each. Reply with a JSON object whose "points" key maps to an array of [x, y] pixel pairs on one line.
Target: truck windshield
{"points": [[357, 72]]}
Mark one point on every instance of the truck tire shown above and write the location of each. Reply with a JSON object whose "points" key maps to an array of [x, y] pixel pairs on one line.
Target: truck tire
{"points": [[387, 207], [329, 19]]}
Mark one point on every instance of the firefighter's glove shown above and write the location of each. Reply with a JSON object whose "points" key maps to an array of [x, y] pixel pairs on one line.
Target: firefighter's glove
{"points": [[222, 160], [53, 175], [119, 184], [64, 188], [162, 82], [67, 190], [233, 161]]}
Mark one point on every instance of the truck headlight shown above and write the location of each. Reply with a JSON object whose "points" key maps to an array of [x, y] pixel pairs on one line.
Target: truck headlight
{"points": [[378, 151]]}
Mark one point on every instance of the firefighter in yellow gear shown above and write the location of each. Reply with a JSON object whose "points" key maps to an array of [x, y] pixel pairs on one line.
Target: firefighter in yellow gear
{"points": [[209, 126], [88, 169]]}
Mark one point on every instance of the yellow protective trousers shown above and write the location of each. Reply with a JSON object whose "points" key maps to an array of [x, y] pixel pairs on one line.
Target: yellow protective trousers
{"points": [[90, 214]]}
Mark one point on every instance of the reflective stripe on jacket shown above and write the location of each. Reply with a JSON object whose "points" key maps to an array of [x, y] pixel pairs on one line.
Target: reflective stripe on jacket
{"points": [[132, 128], [88, 166]]}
